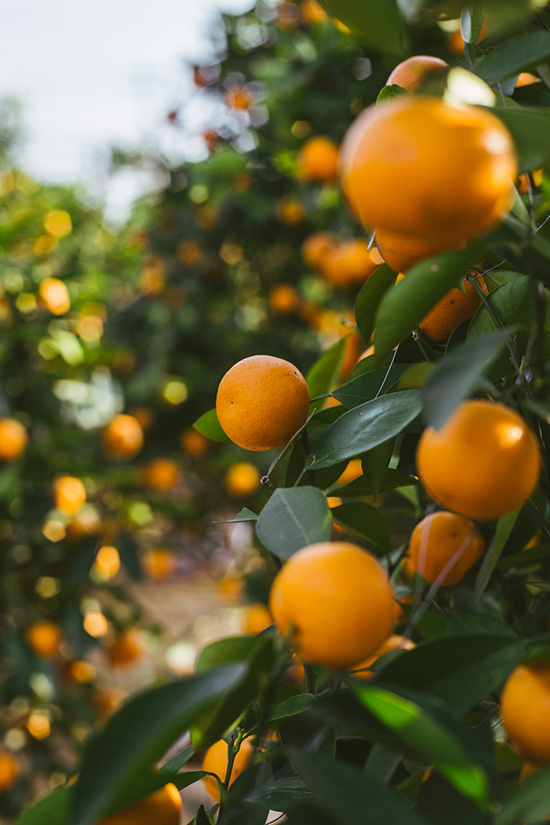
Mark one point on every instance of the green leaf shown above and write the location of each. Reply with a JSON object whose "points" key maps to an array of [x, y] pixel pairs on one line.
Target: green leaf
{"points": [[378, 22], [51, 809], [455, 376], [372, 292], [375, 465], [514, 56], [323, 375], [254, 650], [280, 794], [209, 426], [367, 386], [393, 480], [434, 735], [293, 706], [350, 795], [242, 516], [364, 520], [529, 129], [366, 427], [471, 23], [403, 307], [504, 528], [529, 803], [461, 669], [293, 518], [117, 765]]}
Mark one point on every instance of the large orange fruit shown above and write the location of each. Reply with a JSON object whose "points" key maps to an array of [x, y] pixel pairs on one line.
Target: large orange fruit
{"points": [[261, 402], [335, 602], [417, 166], [483, 462], [525, 709], [402, 252], [443, 547], [163, 807], [216, 761]]}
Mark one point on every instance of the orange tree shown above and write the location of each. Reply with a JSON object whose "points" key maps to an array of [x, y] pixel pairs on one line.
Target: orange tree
{"points": [[459, 426]]}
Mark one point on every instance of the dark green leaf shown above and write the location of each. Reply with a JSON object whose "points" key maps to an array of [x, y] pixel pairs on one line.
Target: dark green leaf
{"points": [[375, 465], [505, 525], [293, 518], [529, 803], [403, 307], [293, 706], [370, 296], [514, 56], [323, 375], [529, 129], [367, 386], [209, 426], [455, 376], [379, 23], [471, 23], [365, 427], [116, 768], [243, 515], [350, 795], [280, 794], [51, 809], [364, 520]]}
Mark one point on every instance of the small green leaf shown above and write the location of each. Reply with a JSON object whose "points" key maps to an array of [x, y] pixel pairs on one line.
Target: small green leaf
{"points": [[294, 517], [323, 375], [242, 516], [51, 809], [471, 23], [364, 520], [403, 307], [372, 292], [209, 426], [365, 427], [455, 376]]}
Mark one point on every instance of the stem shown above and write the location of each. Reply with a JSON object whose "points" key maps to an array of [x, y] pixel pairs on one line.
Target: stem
{"points": [[421, 343], [310, 678]]}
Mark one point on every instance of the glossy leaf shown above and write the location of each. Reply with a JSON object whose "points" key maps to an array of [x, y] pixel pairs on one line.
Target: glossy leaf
{"points": [[370, 296], [504, 528], [364, 520], [530, 803], [471, 23], [393, 480], [455, 376], [403, 307], [367, 386], [513, 56], [51, 809], [529, 129], [365, 427], [293, 518], [375, 465], [209, 426], [280, 794], [324, 373]]}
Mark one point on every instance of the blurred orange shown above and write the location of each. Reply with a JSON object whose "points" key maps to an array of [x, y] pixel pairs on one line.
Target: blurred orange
{"points": [[58, 223], [194, 443], [162, 474], [312, 12], [189, 252], [242, 479], [291, 211], [159, 563], [153, 276], [9, 770], [144, 415], [283, 299], [44, 637], [123, 437], [318, 160], [107, 700], [54, 296], [316, 247], [352, 262], [69, 493], [13, 439], [256, 617], [127, 650]]}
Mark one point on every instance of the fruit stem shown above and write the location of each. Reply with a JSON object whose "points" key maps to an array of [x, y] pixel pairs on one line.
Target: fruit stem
{"points": [[309, 674], [422, 346]]}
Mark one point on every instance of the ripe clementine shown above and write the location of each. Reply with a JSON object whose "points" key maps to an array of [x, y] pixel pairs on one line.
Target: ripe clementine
{"points": [[316, 246], [402, 252], [261, 402], [456, 306], [163, 807], [13, 439], [69, 493], [123, 437], [159, 563], [162, 474], [352, 262], [526, 79], [411, 73], [194, 443], [54, 296], [44, 638], [216, 761], [127, 650], [419, 167], [318, 160], [9, 770], [525, 710], [394, 642], [443, 547], [335, 601], [483, 462], [283, 299], [242, 479]]}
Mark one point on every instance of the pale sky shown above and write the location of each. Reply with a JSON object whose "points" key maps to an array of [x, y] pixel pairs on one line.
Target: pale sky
{"points": [[96, 72]]}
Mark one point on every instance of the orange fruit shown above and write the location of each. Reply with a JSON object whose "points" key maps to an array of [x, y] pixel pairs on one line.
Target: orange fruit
{"points": [[335, 601], [123, 437], [483, 462], [9, 770], [283, 299], [526, 79], [162, 474], [456, 306], [316, 246], [163, 807], [87, 522], [412, 72], [318, 160], [419, 167], [44, 638], [352, 471], [144, 415], [159, 563], [127, 650], [444, 541], [311, 12], [256, 617], [69, 493], [216, 761], [261, 402], [402, 252], [189, 252], [291, 212], [525, 711], [536, 179], [352, 262], [194, 443], [13, 439], [393, 642], [54, 296], [242, 479]]}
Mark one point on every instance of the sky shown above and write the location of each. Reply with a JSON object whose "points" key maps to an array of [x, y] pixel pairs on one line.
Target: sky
{"points": [[92, 73]]}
